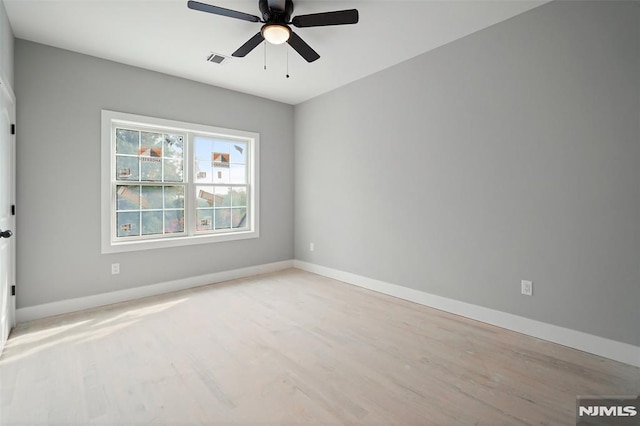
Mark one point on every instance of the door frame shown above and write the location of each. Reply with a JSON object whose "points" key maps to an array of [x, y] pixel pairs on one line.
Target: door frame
{"points": [[11, 109]]}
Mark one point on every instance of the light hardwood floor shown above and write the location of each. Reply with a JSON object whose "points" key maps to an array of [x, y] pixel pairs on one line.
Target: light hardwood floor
{"points": [[291, 347]]}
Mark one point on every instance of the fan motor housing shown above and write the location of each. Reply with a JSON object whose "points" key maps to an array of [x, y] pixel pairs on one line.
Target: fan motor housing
{"points": [[272, 16]]}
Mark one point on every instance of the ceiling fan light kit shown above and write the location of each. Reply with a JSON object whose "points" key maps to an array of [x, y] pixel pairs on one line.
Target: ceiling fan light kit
{"points": [[276, 17], [276, 33]]}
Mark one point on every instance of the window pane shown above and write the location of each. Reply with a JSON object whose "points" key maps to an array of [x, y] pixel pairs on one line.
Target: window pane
{"points": [[222, 218], [223, 149], [173, 221], [128, 224], [204, 172], [239, 197], [221, 175], [204, 220], [239, 152], [222, 197], [151, 223], [237, 173], [127, 197], [205, 196], [151, 144], [127, 141], [173, 197], [220, 159], [151, 197], [203, 149], [126, 168], [151, 169], [239, 217], [173, 170], [173, 146]]}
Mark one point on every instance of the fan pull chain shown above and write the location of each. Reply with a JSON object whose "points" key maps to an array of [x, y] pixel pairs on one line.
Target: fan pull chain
{"points": [[265, 55], [287, 61]]}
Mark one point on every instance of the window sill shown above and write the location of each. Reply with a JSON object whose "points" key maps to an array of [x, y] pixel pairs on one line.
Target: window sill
{"points": [[121, 247]]}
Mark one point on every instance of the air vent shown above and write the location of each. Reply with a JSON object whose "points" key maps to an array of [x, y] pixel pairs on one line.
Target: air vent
{"points": [[216, 58]]}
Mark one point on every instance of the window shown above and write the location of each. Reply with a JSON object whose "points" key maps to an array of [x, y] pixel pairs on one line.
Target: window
{"points": [[168, 183]]}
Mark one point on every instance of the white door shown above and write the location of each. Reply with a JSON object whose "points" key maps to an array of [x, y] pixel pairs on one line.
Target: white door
{"points": [[7, 218]]}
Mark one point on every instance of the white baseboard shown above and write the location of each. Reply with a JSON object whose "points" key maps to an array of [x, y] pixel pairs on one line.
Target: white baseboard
{"points": [[72, 305], [607, 348], [618, 351]]}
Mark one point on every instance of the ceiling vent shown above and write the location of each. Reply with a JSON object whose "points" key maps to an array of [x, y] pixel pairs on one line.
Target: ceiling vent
{"points": [[217, 58]]}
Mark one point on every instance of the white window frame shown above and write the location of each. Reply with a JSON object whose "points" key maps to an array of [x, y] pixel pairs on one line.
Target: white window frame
{"points": [[111, 244]]}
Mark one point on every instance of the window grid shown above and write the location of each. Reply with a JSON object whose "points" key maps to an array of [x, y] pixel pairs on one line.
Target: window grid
{"points": [[238, 206], [149, 158], [165, 230]]}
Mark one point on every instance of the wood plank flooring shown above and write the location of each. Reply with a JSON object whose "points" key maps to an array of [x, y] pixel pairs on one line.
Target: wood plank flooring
{"points": [[291, 347]]}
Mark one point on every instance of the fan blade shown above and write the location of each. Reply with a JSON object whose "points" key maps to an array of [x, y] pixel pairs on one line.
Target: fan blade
{"points": [[302, 48], [251, 44], [339, 17], [202, 7]]}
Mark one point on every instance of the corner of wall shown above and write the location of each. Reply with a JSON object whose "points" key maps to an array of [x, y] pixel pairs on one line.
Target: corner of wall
{"points": [[6, 48]]}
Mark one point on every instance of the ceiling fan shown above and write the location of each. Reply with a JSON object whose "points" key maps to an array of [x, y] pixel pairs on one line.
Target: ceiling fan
{"points": [[276, 17]]}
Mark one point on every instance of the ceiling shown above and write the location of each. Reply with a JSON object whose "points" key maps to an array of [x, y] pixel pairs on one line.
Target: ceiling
{"points": [[166, 36]]}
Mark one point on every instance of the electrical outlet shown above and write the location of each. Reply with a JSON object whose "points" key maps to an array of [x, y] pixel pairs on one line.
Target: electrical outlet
{"points": [[526, 287], [115, 268], [311, 247]]}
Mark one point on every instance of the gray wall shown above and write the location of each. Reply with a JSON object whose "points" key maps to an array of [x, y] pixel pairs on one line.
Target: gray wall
{"points": [[6, 47], [510, 154], [60, 96]]}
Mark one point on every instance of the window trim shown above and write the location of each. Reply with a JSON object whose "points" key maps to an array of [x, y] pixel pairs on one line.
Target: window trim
{"points": [[108, 216]]}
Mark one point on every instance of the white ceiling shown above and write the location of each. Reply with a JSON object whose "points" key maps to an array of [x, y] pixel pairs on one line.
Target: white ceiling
{"points": [[166, 36]]}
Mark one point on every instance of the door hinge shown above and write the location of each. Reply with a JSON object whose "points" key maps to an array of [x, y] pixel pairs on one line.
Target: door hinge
{"points": [[13, 210], [13, 129], [13, 290]]}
